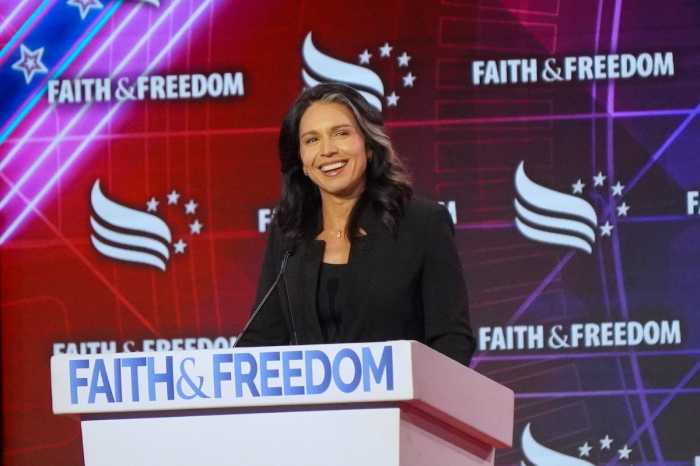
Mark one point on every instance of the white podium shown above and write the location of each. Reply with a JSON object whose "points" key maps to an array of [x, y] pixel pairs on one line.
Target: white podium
{"points": [[394, 403]]}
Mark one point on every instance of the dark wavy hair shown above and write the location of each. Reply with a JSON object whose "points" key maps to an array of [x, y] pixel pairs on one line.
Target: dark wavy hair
{"points": [[387, 184]]}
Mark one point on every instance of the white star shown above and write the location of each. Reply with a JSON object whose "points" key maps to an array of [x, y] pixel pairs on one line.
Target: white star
{"points": [[403, 60], [622, 210], [605, 231], [408, 80], [625, 453], [180, 246], [584, 450], [152, 205], [196, 227], [30, 63], [190, 207], [578, 187], [385, 50], [85, 6], [598, 179], [605, 443], [364, 57], [173, 197], [392, 100], [617, 189]]}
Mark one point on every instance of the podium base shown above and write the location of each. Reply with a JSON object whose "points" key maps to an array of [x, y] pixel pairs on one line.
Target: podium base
{"points": [[395, 435]]}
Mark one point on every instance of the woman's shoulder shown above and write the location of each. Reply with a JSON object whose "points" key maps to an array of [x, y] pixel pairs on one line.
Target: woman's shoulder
{"points": [[419, 209], [276, 240], [422, 216]]}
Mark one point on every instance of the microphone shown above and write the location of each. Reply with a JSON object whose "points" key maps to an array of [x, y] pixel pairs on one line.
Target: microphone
{"points": [[287, 254]]}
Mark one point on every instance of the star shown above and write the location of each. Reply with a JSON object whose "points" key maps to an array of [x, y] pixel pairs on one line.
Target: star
{"points": [[180, 246], [578, 187], [30, 63], [173, 197], [392, 100], [584, 450], [85, 6], [598, 179], [622, 210], [408, 80], [403, 60], [385, 50], [625, 453], [152, 205], [364, 57], [196, 227], [617, 189], [605, 231], [605, 443], [190, 207]]}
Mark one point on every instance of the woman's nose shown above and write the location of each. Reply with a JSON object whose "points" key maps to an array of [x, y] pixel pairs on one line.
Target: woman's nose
{"points": [[329, 147]]}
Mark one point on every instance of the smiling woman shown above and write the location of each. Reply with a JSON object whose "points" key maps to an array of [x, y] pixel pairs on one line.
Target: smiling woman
{"points": [[307, 131], [365, 260]]}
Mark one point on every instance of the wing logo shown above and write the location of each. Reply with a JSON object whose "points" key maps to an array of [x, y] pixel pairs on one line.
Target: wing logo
{"points": [[127, 234], [320, 68], [551, 217], [539, 455]]}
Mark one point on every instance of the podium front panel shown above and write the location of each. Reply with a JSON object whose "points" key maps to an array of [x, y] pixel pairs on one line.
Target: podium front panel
{"points": [[346, 437]]}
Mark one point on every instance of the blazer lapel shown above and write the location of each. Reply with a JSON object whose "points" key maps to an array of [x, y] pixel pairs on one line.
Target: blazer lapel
{"points": [[302, 282]]}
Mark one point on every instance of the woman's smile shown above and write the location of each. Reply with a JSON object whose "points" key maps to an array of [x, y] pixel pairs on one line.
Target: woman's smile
{"points": [[333, 168]]}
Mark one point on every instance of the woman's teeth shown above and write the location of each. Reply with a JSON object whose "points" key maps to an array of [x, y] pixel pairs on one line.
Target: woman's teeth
{"points": [[333, 166]]}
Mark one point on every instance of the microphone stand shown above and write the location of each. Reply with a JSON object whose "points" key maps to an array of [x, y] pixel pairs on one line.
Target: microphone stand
{"points": [[287, 254]]}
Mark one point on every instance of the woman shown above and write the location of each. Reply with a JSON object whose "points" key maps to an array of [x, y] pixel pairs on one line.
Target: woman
{"points": [[366, 260]]}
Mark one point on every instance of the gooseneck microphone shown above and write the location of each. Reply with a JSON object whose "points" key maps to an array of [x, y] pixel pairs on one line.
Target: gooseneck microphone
{"points": [[287, 254]]}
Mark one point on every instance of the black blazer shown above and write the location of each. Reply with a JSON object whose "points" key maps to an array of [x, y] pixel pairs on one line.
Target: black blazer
{"points": [[406, 288]]}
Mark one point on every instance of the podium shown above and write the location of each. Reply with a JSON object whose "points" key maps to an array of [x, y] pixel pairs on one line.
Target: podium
{"points": [[391, 403]]}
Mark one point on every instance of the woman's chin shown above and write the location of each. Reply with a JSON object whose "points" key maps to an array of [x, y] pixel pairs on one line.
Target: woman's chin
{"points": [[342, 190]]}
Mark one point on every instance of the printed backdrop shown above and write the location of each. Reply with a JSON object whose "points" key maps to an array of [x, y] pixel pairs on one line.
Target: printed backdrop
{"points": [[138, 170]]}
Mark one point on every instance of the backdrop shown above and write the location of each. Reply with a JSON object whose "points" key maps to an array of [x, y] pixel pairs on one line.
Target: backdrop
{"points": [[138, 170]]}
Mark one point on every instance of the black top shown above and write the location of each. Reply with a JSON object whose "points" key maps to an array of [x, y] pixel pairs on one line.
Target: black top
{"points": [[332, 300], [408, 287]]}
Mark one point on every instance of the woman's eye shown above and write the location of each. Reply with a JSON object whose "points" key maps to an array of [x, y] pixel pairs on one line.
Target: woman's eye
{"points": [[311, 140]]}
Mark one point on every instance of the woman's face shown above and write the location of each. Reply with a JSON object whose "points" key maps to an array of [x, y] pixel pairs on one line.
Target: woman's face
{"points": [[333, 150]]}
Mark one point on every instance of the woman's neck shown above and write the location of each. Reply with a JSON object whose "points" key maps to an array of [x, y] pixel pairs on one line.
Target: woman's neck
{"points": [[336, 211]]}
